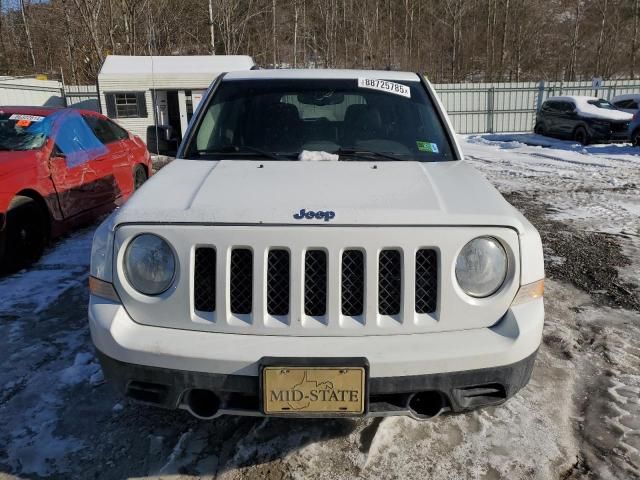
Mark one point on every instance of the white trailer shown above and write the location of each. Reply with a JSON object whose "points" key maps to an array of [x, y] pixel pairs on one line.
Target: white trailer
{"points": [[142, 91]]}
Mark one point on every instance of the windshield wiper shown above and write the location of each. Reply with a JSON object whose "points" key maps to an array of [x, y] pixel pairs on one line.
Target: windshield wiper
{"points": [[367, 154], [244, 150]]}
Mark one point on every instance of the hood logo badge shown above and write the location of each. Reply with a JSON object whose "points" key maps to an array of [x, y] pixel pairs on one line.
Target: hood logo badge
{"points": [[327, 215]]}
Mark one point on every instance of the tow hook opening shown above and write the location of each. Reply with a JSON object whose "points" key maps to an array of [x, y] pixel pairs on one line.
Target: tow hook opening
{"points": [[201, 403], [146, 392], [426, 405]]}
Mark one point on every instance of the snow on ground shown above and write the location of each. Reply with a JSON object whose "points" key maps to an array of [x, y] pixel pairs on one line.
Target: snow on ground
{"points": [[60, 269], [596, 188], [44, 354], [578, 418]]}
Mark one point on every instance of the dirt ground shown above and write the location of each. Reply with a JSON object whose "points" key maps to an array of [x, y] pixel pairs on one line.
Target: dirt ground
{"points": [[579, 418]]}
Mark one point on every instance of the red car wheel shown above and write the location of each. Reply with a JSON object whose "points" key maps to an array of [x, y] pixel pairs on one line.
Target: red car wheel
{"points": [[25, 235]]}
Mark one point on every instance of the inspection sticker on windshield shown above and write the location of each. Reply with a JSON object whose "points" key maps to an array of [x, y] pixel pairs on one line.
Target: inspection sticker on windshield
{"points": [[385, 86], [427, 147], [29, 118]]}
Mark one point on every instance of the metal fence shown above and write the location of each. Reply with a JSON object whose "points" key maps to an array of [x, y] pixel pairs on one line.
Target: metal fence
{"points": [[511, 107], [82, 96], [473, 107]]}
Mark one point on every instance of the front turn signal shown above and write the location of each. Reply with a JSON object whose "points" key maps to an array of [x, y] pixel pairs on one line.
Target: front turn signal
{"points": [[529, 292], [103, 289]]}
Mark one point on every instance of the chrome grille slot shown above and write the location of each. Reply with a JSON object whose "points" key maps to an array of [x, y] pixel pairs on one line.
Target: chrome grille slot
{"points": [[315, 283], [204, 291], [241, 281], [426, 281], [278, 283], [352, 283], [389, 282]]}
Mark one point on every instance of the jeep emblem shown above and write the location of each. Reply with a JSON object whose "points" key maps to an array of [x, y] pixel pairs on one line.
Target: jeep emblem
{"points": [[310, 215]]}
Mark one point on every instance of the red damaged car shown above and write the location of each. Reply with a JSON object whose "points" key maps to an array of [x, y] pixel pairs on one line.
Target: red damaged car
{"points": [[60, 168]]}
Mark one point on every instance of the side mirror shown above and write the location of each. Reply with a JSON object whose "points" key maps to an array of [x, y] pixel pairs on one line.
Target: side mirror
{"points": [[160, 139]]}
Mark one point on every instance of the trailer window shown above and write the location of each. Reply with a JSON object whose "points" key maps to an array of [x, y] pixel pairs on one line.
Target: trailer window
{"points": [[126, 105]]}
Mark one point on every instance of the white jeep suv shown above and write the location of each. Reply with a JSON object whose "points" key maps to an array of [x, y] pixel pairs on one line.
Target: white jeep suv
{"points": [[319, 248]]}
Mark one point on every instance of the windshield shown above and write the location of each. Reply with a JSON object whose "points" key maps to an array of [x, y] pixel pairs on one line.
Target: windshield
{"points": [[358, 119], [21, 132], [600, 103]]}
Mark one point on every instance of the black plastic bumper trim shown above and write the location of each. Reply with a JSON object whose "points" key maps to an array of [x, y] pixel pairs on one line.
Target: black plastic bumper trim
{"points": [[464, 390]]}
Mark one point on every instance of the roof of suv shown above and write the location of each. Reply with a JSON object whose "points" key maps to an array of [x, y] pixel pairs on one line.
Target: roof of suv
{"points": [[319, 73], [571, 98]]}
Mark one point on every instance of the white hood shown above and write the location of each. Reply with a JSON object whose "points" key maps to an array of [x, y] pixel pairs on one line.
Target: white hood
{"points": [[587, 110], [358, 192]]}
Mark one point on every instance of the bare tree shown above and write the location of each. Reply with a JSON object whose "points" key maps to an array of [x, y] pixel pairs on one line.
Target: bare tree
{"points": [[27, 33], [3, 52], [234, 19], [211, 28], [634, 39], [602, 7], [274, 33], [70, 41], [503, 48], [574, 40], [449, 40], [91, 15], [295, 33]]}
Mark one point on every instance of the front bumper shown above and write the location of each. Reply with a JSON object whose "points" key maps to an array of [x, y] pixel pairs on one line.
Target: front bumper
{"points": [[606, 135], [470, 368]]}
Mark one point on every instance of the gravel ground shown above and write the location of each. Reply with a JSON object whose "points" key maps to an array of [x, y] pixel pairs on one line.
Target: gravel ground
{"points": [[578, 418]]}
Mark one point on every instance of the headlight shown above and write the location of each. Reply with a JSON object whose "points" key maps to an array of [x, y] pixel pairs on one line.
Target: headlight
{"points": [[149, 264], [481, 267]]}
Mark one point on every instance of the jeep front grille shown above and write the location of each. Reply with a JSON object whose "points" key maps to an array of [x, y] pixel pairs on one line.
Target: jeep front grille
{"points": [[426, 281], [352, 283], [389, 282], [317, 280], [241, 281], [204, 295], [315, 283], [278, 278], [314, 272]]}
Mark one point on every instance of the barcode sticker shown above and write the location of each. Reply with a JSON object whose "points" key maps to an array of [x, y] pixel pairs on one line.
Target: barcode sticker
{"points": [[30, 118], [385, 86]]}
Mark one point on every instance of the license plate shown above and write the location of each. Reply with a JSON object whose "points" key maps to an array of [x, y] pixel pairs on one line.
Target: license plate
{"points": [[319, 390]]}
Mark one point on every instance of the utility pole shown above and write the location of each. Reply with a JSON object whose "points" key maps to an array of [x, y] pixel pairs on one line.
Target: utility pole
{"points": [[211, 30]]}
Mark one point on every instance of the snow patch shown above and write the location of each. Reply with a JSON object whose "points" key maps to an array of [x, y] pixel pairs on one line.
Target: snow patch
{"points": [[60, 269], [317, 156]]}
